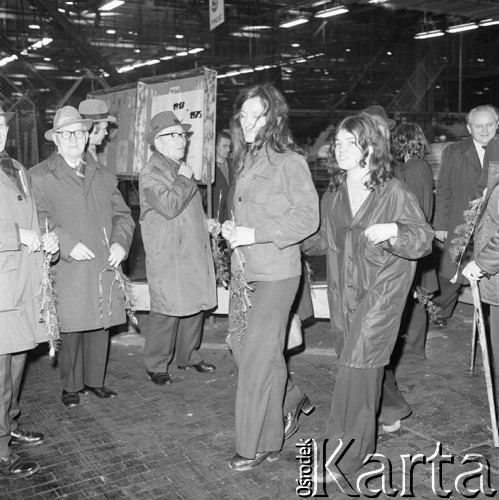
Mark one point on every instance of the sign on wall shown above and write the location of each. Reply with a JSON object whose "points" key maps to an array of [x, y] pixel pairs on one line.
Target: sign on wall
{"points": [[191, 95]]}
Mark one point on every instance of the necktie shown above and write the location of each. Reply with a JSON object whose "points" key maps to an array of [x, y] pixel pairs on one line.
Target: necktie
{"points": [[80, 169], [7, 165]]}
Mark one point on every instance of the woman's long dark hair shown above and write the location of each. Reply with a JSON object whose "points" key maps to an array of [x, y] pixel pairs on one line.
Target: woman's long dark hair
{"points": [[369, 131], [275, 135], [408, 138]]}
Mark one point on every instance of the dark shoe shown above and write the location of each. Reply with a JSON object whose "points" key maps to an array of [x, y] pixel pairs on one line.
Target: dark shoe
{"points": [[239, 463], [13, 466], [70, 399], [291, 419], [440, 322], [100, 392], [160, 378], [26, 438], [201, 367]]}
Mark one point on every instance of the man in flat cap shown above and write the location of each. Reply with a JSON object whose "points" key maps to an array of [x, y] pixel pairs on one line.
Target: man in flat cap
{"points": [[82, 204], [97, 111], [21, 264], [179, 262]]}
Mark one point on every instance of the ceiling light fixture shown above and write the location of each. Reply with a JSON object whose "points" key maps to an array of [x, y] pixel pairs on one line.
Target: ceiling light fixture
{"points": [[34, 26], [488, 22], [458, 28], [429, 34], [332, 11], [256, 27], [112, 4], [294, 22]]}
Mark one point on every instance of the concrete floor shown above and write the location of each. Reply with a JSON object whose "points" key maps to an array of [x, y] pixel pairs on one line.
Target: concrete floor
{"points": [[174, 442]]}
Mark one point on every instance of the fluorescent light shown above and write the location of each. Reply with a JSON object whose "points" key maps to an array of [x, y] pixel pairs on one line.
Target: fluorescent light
{"points": [[256, 27], [111, 32], [34, 26], [112, 4], [196, 50], [166, 58], [457, 28], [488, 22], [333, 11], [294, 22], [428, 34]]}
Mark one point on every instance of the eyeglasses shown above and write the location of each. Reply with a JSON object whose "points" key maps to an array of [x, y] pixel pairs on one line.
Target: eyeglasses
{"points": [[66, 134], [175, 135]]}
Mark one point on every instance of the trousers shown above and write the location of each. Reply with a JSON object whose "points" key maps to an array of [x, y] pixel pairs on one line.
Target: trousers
{"points": [[361, 399], [166, 335], [83, 359], [265, 392], [11, 374]]}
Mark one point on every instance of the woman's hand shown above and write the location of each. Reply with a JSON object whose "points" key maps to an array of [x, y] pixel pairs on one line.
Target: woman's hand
{"points": [[238, 235], [472, 271], [377, 233]]}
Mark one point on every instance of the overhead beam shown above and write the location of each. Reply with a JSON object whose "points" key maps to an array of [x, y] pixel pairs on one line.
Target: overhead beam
{"points": [[83, 45], [9, 48]]}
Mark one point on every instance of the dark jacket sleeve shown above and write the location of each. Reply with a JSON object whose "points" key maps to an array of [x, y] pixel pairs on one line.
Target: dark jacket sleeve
{"points": [[317, 243], [169, 200], [415, 235], [444, 192], [123, 224]]}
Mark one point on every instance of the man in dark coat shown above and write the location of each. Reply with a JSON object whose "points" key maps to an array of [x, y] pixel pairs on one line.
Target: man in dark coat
{"points": [[81, 202], [179, 262], [458, 184], [223, 177], [21, 264]]}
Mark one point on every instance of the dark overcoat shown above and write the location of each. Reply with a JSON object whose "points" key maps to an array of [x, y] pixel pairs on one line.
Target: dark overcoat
{"points": [[83, 210], [460, 174], [487, 249], [179, 261], [20, 271], [416, 173], [368, 284]]}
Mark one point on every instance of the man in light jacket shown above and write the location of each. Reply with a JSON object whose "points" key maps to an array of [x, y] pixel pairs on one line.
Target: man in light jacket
{"points": [[21, 262], [82, 203], [179, 262]]}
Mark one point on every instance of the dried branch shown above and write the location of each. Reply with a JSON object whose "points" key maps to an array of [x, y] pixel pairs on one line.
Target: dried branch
{"points": [[47, 311], [464, 233], [424, 297], [239, 297], [126, 287]]}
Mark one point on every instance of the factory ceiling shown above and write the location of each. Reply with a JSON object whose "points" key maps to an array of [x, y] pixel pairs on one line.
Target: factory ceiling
{"points": [[66, 49]]}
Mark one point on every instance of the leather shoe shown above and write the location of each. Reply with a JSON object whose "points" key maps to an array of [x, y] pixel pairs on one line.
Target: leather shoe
{"points": [[13, 466], [291, 419], [239, 463], [440, 322], [160, 378], [201, 367], [100, 392], [26, 438], [70, 399]]}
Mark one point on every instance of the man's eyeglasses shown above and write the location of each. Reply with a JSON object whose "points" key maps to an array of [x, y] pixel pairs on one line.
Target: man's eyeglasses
{"points": [[66, 134], [175, 135]]}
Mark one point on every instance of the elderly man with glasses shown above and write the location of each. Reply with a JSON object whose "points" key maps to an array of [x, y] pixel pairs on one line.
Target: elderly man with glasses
{"points": [[179, 263], [79, 200]]}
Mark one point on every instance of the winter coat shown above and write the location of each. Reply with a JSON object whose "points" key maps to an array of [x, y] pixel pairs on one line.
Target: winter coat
{"points": [[368, 284], [417, 175], [275, 194], [487, 249], [460, 174], [179, 261], [79, 210], [20, 271]]}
